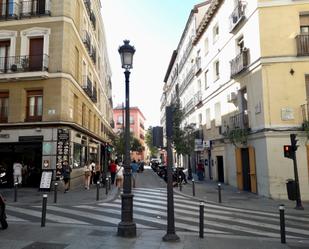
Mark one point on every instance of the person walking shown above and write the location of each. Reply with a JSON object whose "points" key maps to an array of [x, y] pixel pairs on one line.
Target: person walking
{"points": [[17, 168], [92, 166], [66, 174], [119, 176], [113, 169], [200, 170], [97, 174], [87, 174], [134, 168]]}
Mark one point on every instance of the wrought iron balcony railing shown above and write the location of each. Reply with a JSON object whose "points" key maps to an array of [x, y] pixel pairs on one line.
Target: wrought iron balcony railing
{"points": [[187, 80], [9, 10], [198, 98], [86, 40], [93, 55], [94, 95], [237, 16], [93, 19], [88, 6], [198, 65], [240, 63], [35, 8], [87, 85], [239, 121], [302, 41], [24, 63]]}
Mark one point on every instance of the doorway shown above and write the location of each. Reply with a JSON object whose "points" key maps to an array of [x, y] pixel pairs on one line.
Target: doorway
{"points": [[246, 169], [220, 168], [36, 54]]}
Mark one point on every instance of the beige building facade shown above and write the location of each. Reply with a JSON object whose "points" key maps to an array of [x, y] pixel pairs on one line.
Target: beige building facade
{"points": [[55, 90]]}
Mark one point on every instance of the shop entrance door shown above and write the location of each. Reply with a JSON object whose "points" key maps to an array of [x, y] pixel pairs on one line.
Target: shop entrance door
{"points": [[246, 169], [220, 169]]}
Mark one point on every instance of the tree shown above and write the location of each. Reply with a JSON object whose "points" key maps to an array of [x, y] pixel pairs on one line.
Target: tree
{"points": [[148, 139], [119, 144]]}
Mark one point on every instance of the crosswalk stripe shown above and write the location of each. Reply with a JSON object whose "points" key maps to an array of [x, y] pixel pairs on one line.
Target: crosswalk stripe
{"points": [[14, 219], [153, 220], [156, 196], [52, 217], [92, 216]]}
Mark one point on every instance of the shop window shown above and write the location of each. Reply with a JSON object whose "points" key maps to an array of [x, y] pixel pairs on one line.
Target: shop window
{"points": [[4, 104], [34, 105]]}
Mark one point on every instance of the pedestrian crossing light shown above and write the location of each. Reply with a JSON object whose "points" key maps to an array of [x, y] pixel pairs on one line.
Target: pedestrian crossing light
{"points": [[287, 149]]}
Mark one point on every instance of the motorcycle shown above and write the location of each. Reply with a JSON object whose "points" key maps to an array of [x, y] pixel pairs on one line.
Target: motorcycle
{"points": [[3, 221], [3, 178]]}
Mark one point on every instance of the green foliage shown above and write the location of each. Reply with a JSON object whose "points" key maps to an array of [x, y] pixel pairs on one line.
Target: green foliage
{"points": [[148, 139], [119, 144], [237, 136]]}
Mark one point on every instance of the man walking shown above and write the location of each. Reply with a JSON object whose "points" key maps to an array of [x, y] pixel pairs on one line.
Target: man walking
{"points": [[17, 168], [112, 169]]}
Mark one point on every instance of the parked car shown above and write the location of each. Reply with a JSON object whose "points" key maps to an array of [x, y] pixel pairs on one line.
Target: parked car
{"points": [[3, 221]]}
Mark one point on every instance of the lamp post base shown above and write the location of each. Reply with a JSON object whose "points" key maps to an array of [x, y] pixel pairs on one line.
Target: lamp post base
{"points": [[126, 229], [170, 237]]}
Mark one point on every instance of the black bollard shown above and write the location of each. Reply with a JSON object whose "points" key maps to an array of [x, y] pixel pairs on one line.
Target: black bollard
{"points": [[180, 185], [109, 182], [106, 185], [282, 224], [193, 187], [44, 204], [219, 193], [201, 219], [55, 192], [98, 190], [15, 191]]}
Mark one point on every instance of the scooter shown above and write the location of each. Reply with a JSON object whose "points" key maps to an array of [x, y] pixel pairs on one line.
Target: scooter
{"points": [[3, 221]]}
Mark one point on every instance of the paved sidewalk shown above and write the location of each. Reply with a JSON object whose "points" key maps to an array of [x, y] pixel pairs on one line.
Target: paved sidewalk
{"points": [[207, 190]]}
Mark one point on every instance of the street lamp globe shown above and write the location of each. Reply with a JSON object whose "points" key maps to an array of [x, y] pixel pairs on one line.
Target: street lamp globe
{"points": [[126, 52]]}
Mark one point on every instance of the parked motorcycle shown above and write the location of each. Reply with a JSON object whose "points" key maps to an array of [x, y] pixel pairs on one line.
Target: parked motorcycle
{"points": [[3, 177], [3, 221]]}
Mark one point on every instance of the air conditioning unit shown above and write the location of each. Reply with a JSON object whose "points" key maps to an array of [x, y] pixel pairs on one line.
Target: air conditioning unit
{"points": [[232, 97]]}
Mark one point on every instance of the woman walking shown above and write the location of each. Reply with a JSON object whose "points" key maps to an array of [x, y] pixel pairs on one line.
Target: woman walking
{"points": [[119, 176], [87, 174]]}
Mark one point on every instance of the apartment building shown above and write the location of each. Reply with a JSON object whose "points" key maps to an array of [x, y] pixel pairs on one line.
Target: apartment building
{"points": [[137, 127], [247, 92], [56, 105]]}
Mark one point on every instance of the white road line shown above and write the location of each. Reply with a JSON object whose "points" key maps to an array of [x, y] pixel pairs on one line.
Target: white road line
{"points": [[151, 219], [157, 196], [52, 217], [14, 218], [92, 216]]}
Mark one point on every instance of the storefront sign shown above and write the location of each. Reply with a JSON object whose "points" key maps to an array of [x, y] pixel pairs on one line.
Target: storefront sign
{"points": [[46, 179], [198, 145], [63, 149]]}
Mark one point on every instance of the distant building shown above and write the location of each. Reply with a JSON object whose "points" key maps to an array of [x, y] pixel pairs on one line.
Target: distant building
{"points": [[137, 126]]}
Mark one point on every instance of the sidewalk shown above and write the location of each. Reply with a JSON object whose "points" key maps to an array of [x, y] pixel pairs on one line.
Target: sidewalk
{"points": [[207, 190], [76, 196]]}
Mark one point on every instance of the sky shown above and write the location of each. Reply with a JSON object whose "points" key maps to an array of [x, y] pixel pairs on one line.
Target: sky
{"points": [[154, 28]]}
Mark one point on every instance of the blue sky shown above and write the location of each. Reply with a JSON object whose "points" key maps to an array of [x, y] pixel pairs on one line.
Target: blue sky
{"points": [[154, 27]]}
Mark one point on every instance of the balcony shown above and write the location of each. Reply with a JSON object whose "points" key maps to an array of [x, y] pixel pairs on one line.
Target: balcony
{"points": [[240, 63], [93, 20], [142, 126], [35, 8], [94, 95], [187, 80], [22, 64], [9, 11], [237, 16], [189, 106], [198, 65], [87, 86], [88, 6], [93, 55], [198, 98], [86, 40], [302, 41], [239, 121]]}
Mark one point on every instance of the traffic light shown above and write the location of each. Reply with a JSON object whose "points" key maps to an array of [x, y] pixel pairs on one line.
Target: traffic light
{"points": [[288, 152], [157, 136], [293, 142]]}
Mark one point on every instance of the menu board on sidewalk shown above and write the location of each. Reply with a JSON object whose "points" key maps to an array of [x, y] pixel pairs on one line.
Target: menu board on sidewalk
{"points": [[63, 150], [46, 179]]}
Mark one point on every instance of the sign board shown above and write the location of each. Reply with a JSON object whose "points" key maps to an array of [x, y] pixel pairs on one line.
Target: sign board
{"points": [[198, 145], [63, 149], [46, 179]]}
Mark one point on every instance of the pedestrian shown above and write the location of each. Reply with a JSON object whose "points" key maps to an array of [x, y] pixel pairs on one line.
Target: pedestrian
{"points": [[17, 168], [134, 168], [87, 174], [97, 170], [200, 170], [113, 169], [24, 173], [92, 166], [66, 174], [119, 176], [182, 175]]}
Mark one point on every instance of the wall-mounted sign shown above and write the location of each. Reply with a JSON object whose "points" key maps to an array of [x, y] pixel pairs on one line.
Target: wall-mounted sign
{"points": [[198, 145], [287, 113], [46, 164], [46, 179], [63, 150]]}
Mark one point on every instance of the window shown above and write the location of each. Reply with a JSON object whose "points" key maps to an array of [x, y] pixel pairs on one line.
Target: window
{"points": [[206, 46], [216, 70], [4, 105], [131, 120], [200, 117], [304, 24], [4, 53], [34, 105], [119, 120], [240, 45], [215, 33], [83, 115], [218, 114], [75, 106], [206, 80], [208, 124]]}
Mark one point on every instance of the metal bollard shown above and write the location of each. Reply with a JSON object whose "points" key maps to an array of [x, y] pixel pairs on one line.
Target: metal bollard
{"points": [[282, 224], [44, 204], [106, 185], [109, 182], [201, 219], [55, 192], [98, 190], [219, 193], [193, 187], [15, 191], [180, 185]]}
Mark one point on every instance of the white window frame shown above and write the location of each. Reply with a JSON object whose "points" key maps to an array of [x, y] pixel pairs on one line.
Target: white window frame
{"points": [[215, 32], [216, 74], [9, 35]]}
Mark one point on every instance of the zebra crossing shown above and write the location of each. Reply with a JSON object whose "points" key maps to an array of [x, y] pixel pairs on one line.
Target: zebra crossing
{"points": [[150, 213]]}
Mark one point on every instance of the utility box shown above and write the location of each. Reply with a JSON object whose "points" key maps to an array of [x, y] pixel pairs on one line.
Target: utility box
{"points": [[291, 188]]}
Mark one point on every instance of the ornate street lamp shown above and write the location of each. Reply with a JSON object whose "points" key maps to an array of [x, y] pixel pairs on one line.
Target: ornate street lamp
{"points": [[127, 228]]}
